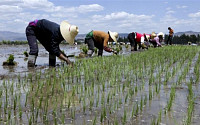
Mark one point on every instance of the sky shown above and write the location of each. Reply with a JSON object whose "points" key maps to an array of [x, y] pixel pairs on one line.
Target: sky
{"points": [[122, 16]]}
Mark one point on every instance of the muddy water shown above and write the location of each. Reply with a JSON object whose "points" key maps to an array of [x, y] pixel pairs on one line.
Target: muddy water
{"points": [[42, 59], [150, 110], [18, 50]]}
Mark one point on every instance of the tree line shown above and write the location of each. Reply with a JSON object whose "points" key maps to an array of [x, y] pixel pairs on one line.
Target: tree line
{"points": [[182, 39]]}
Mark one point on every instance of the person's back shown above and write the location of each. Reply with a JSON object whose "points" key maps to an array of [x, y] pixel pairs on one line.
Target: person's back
{"points": [[100, 39], [50, 36]]}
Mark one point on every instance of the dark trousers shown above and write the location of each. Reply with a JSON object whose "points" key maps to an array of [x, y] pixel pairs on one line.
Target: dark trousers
{"points": [[32, 40], [153, 42], [132, 40], [169, 40], [91, 44]]}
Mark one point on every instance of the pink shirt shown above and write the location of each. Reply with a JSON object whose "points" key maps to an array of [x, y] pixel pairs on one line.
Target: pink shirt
{"points": [[157, 40]]}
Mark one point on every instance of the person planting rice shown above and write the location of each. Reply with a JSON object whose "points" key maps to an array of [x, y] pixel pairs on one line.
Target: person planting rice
{"points": [[138, 39], [100, 39], [171, 33], [50, 35], [156, 40]]}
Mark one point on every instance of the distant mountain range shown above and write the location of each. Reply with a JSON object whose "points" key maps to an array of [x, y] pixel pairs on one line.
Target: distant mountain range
{"points": [[187, 33], [12, 36]]}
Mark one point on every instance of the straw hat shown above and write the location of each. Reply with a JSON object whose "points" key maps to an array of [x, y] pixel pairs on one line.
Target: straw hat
{"points": [[153, 35], [113, 35], [68, 31]]}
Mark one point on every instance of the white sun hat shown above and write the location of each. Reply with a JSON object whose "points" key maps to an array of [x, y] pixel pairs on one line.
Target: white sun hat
{"points": [[148, 37], [113, 35], [161, 34], [68, 32]]}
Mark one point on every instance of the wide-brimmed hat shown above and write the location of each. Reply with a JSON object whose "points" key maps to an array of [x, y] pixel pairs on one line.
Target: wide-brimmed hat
{"points": [[153, 34], [148, 37], [161, 34], [68, 31], [113, 35]]}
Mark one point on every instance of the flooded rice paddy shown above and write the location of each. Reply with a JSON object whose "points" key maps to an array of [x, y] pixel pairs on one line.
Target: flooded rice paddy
{"points": [[155, 86]]}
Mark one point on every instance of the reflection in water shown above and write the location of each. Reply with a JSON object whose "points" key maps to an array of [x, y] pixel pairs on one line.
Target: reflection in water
{"points": [[9, 68]]}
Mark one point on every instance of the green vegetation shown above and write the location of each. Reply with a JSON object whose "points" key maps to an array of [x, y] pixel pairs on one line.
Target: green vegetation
{"points": [[84, 48], [8, 42], [10, 60], [139, 88], [25, 53]]}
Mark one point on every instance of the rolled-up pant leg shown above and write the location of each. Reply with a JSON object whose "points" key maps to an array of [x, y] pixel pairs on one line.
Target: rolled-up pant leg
{"points": [[90, 43], [32, 40]]}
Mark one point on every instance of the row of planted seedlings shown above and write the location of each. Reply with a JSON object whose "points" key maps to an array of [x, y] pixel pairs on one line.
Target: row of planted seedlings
{"points": [[175, 79], [110, 90], [192, 81]]}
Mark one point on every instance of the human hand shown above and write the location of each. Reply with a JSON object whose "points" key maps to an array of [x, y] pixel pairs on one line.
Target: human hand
{"points": [[115, 52], [70, 64]]}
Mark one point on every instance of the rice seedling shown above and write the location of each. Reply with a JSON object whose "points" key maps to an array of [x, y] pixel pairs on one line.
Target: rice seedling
{"points": [[10, 60], [150, 93], [159, 119], [133, 111], [124, 117], [171, 99], [107, 84], [25, 53], [95, 120]]}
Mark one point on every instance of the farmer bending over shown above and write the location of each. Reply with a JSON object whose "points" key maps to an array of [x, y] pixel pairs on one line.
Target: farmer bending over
{"points": [[156, 40], [137, 39], [50, 35], [99, 39]]}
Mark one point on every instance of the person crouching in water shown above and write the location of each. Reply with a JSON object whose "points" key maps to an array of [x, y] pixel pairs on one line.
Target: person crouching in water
{"points": [[100, 39], [138, 39], [156, 39], [50, 35]]}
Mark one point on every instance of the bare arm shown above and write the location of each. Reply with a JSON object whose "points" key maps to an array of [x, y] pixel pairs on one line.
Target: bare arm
{"points": [[62, 57]]}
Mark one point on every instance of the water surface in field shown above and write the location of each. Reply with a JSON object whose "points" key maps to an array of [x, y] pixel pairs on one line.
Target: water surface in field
{"points": [[42, 59], [150, 110]]}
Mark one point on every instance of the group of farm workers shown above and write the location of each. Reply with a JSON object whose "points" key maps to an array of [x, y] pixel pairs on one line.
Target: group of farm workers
{"points": [[50, 35]]}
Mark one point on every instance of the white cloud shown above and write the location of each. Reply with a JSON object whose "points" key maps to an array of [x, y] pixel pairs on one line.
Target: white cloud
{"points": [[15, 15], [121, 16], [20, 12], [123, 22], [44, 5], [197, 14], [181, 7], [170, 12], [90, 8], [10, 2], [10, 9]]}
